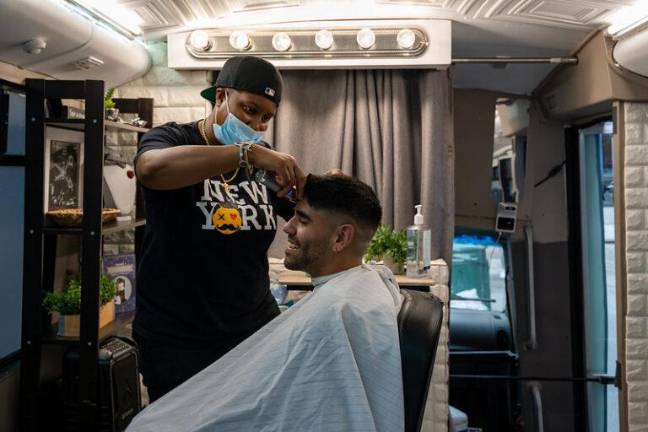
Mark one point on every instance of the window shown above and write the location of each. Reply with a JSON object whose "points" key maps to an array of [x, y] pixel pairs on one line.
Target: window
{"points": [[12, 194], [478, 273]]}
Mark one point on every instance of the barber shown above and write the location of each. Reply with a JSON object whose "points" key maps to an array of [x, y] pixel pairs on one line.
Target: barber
{"points": [[202, 277]]}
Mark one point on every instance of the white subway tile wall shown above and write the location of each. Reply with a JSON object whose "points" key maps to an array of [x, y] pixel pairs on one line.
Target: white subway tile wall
{"points": [[176, 97], [636, 197]]}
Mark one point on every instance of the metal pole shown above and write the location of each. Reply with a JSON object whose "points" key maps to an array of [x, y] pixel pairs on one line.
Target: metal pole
{"points": [[516, 60], [532, 342]]}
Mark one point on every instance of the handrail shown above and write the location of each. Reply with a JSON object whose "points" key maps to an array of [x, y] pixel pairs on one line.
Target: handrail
{"points": [[536, 395], [599, 379], [532, 342]]}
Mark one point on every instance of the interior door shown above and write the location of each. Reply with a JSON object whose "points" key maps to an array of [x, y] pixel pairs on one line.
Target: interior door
{"points": [[598, 273]]}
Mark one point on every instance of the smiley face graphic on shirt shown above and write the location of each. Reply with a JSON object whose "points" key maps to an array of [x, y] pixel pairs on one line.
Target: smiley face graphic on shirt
{"points": [[227, 219]]}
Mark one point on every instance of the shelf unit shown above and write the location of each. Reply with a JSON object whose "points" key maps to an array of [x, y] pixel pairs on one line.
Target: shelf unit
{"points": [[118, 327], [107, 228], [41, 238], [79, 124]]}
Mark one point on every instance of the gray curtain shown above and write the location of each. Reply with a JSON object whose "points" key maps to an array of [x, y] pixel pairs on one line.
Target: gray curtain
{"points": [[393, 129]]}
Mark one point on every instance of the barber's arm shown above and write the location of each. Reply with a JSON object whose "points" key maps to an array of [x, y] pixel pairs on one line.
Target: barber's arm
{"points": [[180, 166], [177, 167]]}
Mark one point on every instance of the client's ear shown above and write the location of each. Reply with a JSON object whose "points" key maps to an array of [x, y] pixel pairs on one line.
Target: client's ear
{"points": [[344, 237]]}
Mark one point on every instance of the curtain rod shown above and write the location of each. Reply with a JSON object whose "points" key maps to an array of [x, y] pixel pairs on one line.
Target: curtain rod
{"points": [[516, 60]]}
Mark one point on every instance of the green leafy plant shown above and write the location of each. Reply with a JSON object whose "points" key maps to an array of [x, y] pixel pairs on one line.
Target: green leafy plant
{"points": [[109, 103], [387, 241], [68, 302]]}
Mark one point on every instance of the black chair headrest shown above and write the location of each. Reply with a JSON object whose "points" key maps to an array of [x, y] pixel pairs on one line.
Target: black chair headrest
{"points": [[419, 328]]}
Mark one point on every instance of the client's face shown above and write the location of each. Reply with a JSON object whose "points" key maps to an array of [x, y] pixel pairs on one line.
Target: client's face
{"points": [[309, 239]]}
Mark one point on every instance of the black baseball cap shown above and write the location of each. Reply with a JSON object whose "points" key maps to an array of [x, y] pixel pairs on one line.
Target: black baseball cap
{"points": [[248, 73]]}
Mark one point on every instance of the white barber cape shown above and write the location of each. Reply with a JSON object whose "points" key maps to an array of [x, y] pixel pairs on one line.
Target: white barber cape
{"points": [[330, 363]]}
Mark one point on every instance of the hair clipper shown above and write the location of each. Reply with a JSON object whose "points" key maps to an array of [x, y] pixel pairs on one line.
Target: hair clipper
{"points": [[265, 178]]}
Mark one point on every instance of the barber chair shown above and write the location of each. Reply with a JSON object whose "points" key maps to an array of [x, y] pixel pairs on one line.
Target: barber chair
{"points": [[419, 328]]}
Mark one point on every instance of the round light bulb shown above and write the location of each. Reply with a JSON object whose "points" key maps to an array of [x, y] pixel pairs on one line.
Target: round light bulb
{"points": [[324, 39], [405, 39], [240, 40], [281, 42], [199, 40], [366, 38]]}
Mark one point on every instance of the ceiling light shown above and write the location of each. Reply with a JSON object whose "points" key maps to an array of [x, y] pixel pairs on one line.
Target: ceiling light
{"points": [[35, 46], [281, 42], [405, 39], [324, 39], [366, 38], [240, 40], [199, 40], [306, 43], [116, 14], [627, 19]]}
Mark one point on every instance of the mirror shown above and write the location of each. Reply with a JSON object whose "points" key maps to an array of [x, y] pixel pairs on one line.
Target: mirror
{"points": [[509, 149]]}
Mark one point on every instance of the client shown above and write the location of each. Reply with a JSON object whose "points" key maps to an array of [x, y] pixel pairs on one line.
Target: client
{"points": [[329, 363]]}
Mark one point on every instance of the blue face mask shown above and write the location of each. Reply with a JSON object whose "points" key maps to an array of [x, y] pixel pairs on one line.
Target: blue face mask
{"points": [[234, 131]]}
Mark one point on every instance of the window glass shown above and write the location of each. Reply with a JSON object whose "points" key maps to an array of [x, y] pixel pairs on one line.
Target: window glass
{"points": [[478, 273], [12, 190], [12, 139]]}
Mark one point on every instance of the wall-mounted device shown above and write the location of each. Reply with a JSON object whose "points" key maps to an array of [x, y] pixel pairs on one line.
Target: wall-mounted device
{"points": [[506, 217]]}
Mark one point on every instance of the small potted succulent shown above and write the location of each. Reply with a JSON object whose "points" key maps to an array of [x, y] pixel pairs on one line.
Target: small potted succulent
{"points": [[68, 304], [112, 113], [390, 246]]}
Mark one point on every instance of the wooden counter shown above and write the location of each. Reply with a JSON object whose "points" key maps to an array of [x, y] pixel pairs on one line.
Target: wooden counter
{"points": [[300, 280]]}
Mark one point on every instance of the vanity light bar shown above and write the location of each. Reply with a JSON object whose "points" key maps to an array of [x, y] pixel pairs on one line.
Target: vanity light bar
{"points": [[309, 43]]}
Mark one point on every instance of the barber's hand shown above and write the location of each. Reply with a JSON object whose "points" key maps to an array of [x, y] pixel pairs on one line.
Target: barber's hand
{"points": [[282, 165], [334, 172]]}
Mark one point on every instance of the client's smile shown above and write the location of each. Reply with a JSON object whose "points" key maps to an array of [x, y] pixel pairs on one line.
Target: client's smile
{"points": [[292, 244]]}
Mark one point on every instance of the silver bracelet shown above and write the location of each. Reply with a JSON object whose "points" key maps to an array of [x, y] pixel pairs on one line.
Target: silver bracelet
{"points": [[243, 156]]}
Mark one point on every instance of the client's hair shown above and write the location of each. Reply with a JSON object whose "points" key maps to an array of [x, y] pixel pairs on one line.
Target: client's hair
{"points": [[346, 196]]}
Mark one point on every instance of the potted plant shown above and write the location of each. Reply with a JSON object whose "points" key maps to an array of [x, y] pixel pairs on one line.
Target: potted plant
{"points": [[68, 304], [112, 113], [390, 246]]}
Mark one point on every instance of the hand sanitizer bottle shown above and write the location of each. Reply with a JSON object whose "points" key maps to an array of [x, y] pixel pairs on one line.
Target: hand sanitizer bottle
{"points": [[418, 247]]}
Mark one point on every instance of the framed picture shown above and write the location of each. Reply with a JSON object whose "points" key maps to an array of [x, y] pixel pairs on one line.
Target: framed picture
{"points": [[63, 176], [121, 270]]}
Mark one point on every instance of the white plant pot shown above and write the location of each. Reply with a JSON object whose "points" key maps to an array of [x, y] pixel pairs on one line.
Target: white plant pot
{"points": [[396, 268], [122, 188]]}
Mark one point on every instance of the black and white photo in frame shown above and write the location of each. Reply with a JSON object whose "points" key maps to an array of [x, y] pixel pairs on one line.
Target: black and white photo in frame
{"points": [[63, 169]]}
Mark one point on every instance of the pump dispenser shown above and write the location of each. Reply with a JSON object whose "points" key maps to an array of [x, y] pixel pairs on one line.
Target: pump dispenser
{"points": [[418, 217], [418, 246]]}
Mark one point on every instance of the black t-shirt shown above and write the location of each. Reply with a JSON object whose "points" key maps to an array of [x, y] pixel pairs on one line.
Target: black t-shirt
{"points": [[202, 277]]}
